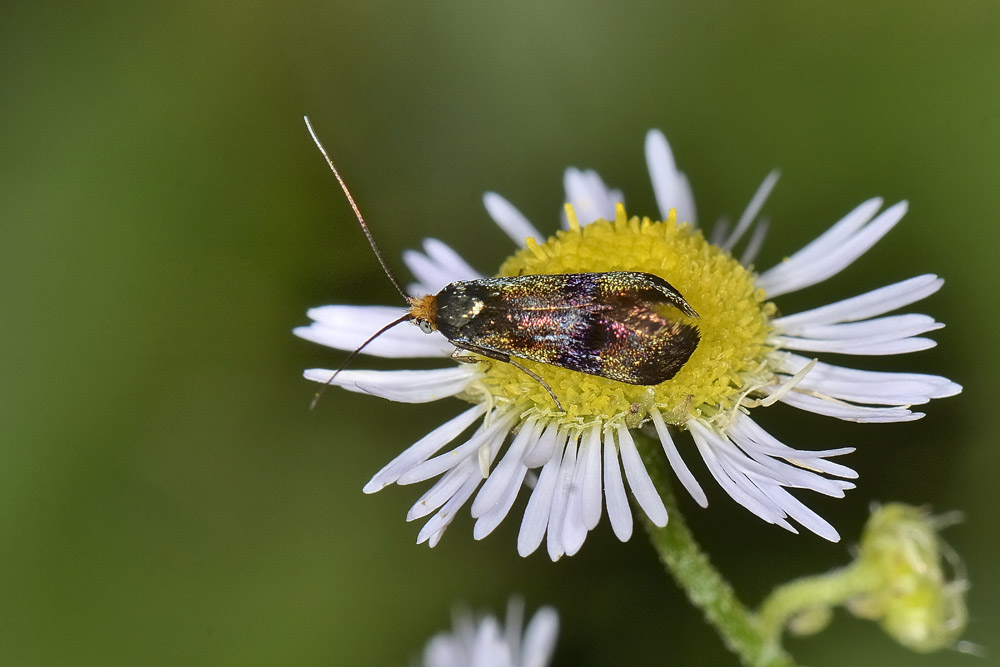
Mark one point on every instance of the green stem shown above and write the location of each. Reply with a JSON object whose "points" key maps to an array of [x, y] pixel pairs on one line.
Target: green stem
{"points": [[820, 592], [739, 628]]}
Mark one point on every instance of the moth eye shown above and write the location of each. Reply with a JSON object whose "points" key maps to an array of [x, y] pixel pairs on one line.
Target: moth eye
{"points": [[425, 326]]}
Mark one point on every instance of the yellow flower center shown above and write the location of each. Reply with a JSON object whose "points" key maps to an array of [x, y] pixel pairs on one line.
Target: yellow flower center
{"points": [[733, 323]]}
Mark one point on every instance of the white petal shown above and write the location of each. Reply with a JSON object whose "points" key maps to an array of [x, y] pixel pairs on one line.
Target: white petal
{"points": [[876, 387], [431, 278], [574, 529], [752, 209], [590, 197], [434, 528], [424, 448], [833, 251], [497, 430], [890, 327], [441, 651], [509, 219], [446, 258], [871, 393], [513, 624], [564, 484], [455, 480], [401, 386], [443, 490], [828, 241], [874, 346], [716, 452], [838, 233], [614, 489], [745, 429], [870, 337], [441, 266], [432, 531], [363, 318], [755, 243], [487, 644], [434, 538], [720, 230], [638, 479], [544, 447], [757, 466], [592, 494], [540, 638], [488, 522], [848, 412], [536, 514], [877, 302], [669, 184], [796, 510], [676, 462], [511, 467], [347, 327]]}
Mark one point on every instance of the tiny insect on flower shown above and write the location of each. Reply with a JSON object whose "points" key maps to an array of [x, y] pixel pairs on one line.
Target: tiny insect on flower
{"points": [[610, 324], [738, 355]]}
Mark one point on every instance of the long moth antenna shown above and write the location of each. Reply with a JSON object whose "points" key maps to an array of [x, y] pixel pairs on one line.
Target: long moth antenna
{"points": [[343, 365], [357, 212]]}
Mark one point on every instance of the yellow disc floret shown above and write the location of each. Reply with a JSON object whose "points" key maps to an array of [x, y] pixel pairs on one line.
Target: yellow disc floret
{"points": [[733, 323]]}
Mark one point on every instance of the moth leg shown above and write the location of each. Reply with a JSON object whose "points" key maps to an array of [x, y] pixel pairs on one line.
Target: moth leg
{"points": [[540, 381], [481, 351], [463, 358], [500, 356]]}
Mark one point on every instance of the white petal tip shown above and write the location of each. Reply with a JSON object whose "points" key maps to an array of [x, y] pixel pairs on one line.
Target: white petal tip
{"points": [[911, 417], [950, 389], [656, 140], [409, 478]]}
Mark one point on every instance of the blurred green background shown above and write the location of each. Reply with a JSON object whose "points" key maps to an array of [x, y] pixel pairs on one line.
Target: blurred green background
{"points": [[167, 498]]}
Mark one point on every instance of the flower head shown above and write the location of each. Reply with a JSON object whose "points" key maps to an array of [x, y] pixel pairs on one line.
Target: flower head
{"points": [[904, 576], [566, 434], [916, 581], [483, 642]]}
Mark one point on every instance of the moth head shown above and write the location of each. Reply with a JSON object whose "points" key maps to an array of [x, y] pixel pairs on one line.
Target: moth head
{"points": [[423, 311]]}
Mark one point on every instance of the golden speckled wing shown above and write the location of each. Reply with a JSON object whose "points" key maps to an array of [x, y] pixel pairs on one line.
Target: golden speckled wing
{"points": [[606, 324]]}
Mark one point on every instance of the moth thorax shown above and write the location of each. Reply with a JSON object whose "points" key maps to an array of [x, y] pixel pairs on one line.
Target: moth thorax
{"points": [[423, 309]]}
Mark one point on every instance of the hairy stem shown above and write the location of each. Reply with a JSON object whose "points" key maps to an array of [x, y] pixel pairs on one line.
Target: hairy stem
{"points": [[739, 628]]}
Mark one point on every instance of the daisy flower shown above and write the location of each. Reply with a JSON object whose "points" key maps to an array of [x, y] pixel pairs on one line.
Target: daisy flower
{"points": [[578, 461], [482, 642]]}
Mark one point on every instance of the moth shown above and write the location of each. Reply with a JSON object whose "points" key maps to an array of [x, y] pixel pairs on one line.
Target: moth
{"points": [[619, 325]]}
